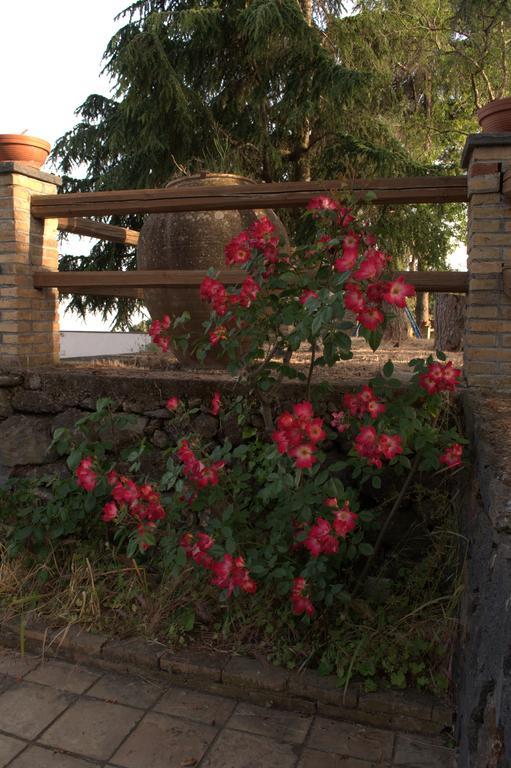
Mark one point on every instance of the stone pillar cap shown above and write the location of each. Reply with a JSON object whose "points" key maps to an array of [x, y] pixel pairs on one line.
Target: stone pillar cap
{"points": [[15, 166], [482, 140]]}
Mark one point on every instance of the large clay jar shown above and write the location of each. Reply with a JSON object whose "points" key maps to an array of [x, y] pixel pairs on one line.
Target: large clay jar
{"points": [[191, 240]]}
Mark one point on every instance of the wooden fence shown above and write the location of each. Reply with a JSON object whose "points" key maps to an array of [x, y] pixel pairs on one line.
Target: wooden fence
{"points": [[73, 211]]}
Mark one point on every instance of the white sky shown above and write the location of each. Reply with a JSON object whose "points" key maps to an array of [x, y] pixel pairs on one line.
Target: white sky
{"points": [[50, 60]]}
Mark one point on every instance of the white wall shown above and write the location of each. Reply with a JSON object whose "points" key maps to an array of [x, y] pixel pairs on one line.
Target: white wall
{"points": [[100, 343]]}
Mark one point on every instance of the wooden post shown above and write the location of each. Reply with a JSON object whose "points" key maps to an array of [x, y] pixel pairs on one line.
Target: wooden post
{"points": [[29, 329]]}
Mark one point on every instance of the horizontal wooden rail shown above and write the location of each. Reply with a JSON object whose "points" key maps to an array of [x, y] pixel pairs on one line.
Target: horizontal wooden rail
{"points": [[90, 228], [420, 189], [132, 283]]}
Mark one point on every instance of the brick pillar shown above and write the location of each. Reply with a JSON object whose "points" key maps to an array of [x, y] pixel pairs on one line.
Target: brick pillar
{"points": [[29, 328], [487, 346]]}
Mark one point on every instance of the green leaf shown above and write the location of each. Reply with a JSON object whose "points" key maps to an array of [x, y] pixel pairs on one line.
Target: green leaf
{"points": [[388, 369]]}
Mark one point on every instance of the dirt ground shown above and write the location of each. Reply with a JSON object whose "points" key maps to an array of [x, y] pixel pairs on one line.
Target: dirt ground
{"points": [[363, 366]]}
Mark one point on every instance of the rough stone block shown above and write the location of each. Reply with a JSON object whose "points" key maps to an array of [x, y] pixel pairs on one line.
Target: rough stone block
{"points": [[25, 440], [28, 401]]}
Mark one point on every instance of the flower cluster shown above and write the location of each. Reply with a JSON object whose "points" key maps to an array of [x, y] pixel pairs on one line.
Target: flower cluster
{"points": [[375, 447], [366, 301], [440, 378], [340, 421], [215, 293], [362, 402], [299, 601], [298, 434], [195, 470], [452, 455], [323, 537], [156, 331], [85, 475], [228, 573], [365, 291], [142, 502], [260, 238], [197, 548], [318, 205]]}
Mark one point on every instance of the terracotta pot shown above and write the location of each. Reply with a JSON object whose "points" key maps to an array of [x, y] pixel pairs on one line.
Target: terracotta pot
{"points": [[24, 149], [191, 240], [495, 117]]}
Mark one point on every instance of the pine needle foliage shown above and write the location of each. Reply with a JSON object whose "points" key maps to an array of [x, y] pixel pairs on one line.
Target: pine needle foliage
{"points": [[285, 90]]}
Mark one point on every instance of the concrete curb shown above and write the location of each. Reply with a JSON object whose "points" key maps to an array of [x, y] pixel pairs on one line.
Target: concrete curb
{"points": [[239, 677]]}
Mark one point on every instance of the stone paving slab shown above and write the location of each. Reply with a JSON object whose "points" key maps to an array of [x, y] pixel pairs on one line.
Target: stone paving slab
{"points": [[252, 680], [235, 749], [161, 741], [9, 748], [27, 709], [64, 676], [126, 689], [274, 723], [352, 740], [55, 714], [197, 706], [92, 728], [37, 757]]}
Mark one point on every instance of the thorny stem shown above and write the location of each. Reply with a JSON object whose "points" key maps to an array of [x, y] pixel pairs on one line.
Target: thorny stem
{"points": [[311, 369], [390, 517]]}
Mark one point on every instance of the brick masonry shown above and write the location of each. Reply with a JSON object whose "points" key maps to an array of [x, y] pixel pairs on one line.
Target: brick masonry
{"points": [[29, 331], [487, 351]]}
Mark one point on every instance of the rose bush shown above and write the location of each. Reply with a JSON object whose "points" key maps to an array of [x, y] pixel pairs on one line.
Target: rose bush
{"points": [[276, 512]]}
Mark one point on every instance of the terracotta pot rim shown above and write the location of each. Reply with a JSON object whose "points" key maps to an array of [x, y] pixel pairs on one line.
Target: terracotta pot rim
{"points": [[497, 105], [23, 138], [209, 174]]}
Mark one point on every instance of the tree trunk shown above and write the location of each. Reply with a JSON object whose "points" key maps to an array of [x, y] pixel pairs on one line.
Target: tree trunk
{"points": [[397, 328], [422, 313], [306, 6], [449, 321], [302, 166]]}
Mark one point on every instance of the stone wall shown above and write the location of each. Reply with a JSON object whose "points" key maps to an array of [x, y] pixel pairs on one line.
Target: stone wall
{"points": [[484, 657], [35, 403]]}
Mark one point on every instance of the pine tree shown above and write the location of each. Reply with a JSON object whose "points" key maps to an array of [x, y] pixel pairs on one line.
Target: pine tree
{"points": [[278, 90]]}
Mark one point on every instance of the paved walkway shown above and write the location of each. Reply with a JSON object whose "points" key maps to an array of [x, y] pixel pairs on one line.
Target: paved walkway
{"points": [[59, 715]]}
